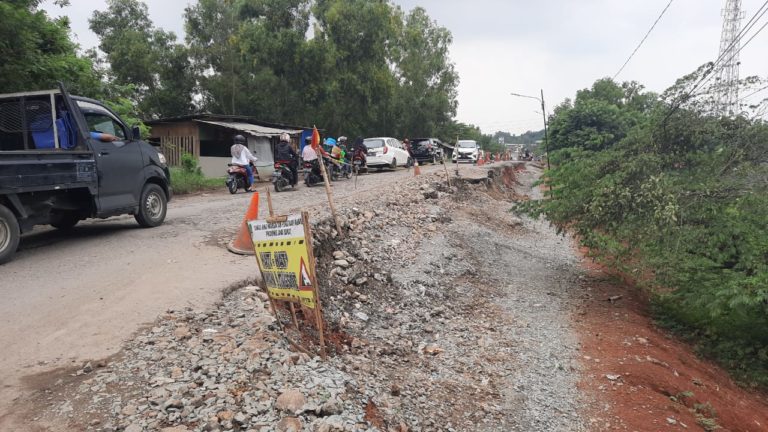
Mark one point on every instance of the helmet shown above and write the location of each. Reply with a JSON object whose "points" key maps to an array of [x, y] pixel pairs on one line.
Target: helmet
{"points": [[330, 142], [284, 137], [342, 139], [239, 139]]}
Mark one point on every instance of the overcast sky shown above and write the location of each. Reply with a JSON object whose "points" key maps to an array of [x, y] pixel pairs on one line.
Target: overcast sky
{"points": [[522, 46]]}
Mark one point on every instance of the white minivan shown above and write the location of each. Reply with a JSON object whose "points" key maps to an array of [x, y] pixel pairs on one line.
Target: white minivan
{"points": [[386, 152], [466, 151]]}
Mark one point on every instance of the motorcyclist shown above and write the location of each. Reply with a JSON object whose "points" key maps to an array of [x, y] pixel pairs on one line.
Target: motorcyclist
{"points": [[344, 154], [309, 155], [287, 155], [360, 151], [243, 157]]}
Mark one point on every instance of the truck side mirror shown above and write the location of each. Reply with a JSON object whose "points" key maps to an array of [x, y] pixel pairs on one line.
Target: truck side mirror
{"points": [[136, 132]]}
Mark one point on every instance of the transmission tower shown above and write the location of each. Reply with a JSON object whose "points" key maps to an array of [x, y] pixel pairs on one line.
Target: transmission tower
{"points": [[727, 84]]}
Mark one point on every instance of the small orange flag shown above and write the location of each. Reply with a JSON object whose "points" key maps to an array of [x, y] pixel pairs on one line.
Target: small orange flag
{"points": [[315, 139], [316, 142]]}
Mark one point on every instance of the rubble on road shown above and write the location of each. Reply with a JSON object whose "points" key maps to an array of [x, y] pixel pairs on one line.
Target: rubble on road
{"points": [[420, 338]]}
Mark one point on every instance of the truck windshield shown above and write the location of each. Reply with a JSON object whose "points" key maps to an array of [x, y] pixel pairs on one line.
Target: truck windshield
{"points": [[100, 120]]}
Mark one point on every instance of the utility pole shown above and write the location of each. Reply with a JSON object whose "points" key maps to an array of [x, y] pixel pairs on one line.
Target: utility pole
{"points": [[727, 81], [546, 133], [544, 114]]}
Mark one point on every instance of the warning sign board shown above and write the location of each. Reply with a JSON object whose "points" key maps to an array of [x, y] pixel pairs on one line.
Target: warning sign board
{"points": [[283, 255]]}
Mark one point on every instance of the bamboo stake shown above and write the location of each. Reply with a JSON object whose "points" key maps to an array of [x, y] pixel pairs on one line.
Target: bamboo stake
{"points": [[313, 279], [330, 196], [269, 202]]}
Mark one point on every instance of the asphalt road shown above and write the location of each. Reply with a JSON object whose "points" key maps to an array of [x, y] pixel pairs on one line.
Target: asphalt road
{"points": [[73, 297]]}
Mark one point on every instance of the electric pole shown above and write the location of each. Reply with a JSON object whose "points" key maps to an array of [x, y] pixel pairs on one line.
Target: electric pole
{"points": [[727, 81]]}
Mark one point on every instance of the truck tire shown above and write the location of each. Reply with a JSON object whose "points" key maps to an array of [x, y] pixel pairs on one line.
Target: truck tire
{"points": [[152, 207], [9, 234], [65, 220]]}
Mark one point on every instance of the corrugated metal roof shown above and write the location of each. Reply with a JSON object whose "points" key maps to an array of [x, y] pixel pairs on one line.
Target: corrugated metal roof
{"points": [[252, 129]]}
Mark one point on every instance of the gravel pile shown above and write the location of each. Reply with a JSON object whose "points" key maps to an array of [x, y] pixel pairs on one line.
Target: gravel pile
{"points": [[444, 312]]}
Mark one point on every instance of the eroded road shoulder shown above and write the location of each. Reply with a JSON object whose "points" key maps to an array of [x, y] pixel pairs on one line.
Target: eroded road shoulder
{"points": [[445, 312]]}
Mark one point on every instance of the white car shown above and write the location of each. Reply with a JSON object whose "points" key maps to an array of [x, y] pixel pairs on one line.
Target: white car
{"points": [[386, 152], [466, 151]]}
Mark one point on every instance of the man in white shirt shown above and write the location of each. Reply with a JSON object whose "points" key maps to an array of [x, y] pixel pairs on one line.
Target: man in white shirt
{"points": [[243, 157], [308, 154]]}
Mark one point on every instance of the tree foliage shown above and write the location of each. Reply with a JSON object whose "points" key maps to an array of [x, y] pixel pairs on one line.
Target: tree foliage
{"points": [[37, 52], [678, 195], [144, 57]]}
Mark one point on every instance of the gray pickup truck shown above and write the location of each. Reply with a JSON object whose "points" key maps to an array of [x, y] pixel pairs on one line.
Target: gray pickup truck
{"points": [[66, 158]]}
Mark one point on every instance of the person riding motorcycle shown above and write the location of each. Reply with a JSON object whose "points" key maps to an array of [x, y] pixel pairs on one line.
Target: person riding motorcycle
{"points": [[242, 156], [287, 155], [309, 155], [359, 152], [344, 155]]}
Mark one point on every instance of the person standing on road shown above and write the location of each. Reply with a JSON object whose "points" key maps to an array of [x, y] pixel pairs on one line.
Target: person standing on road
{"points": [[242, 156], [407, 145], [287, 154]]}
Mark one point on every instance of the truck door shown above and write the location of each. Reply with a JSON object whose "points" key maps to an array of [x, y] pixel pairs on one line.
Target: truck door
{"points": [[119, 163]]}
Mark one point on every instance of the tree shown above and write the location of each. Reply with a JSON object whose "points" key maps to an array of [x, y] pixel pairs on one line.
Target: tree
{"points": [[600, 117], [144, 57], [37, 52], [427, 91], [357, 37]]}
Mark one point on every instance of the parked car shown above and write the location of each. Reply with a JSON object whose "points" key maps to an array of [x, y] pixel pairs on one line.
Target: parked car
{"points": [[427, 150], [386, 152], [466, 151], [65, 158]]}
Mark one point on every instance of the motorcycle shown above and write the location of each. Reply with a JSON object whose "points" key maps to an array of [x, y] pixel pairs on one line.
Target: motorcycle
{"points": [[359, 161], [282, 176], [312, 175], [237, 177], [338, 169]]}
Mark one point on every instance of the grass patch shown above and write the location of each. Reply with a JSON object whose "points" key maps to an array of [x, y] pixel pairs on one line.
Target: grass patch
{"points": [[185, 182], [189, 178]]}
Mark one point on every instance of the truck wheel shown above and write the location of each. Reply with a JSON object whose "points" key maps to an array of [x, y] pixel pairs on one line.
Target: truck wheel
{"points": [[65, 220], [152, 207], [9, 234]]}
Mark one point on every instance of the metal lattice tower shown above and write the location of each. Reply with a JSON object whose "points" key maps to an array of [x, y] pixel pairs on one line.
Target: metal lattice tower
{"points": [[727, 83]]}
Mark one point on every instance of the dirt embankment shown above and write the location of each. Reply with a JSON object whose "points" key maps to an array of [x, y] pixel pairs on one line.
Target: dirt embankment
{"points": [[648, 379]]}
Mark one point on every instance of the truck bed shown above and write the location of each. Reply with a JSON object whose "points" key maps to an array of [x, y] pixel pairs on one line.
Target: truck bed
{"points": [[31, 171]]}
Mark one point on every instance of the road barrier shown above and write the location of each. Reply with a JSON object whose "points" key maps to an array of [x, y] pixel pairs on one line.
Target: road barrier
{"points": [[242, 243]]}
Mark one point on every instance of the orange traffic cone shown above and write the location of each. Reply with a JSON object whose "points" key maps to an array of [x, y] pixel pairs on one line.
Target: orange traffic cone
{"points": [[416, 169], [242, 244]]}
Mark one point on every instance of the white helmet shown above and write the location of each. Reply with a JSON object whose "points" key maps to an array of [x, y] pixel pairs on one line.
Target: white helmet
{"points": [[284, 137]]}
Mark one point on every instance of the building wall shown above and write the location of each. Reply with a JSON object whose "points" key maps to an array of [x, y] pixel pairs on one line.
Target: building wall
{"points": [[214, 166], [188, 128]]}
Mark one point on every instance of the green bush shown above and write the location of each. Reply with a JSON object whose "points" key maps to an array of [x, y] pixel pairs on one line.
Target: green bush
{"points": [[189, 177], [681, 197]]}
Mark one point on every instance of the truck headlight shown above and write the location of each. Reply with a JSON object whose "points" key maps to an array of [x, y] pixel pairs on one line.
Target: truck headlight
{"points": [[162, 158]]}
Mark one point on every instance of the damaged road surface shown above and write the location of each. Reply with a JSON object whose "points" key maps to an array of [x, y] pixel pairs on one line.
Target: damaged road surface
{"points": [[443, 312]]}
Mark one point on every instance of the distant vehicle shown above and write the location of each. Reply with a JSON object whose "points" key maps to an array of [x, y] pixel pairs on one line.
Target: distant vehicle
{"points": [[427, 150], [386, 152], [466, 151], [66, 158]]}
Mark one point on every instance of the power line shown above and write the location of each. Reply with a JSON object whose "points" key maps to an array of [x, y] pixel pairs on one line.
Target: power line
{"points": [[644, 38], [753, 93], [714, 68], [742, 47]]}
